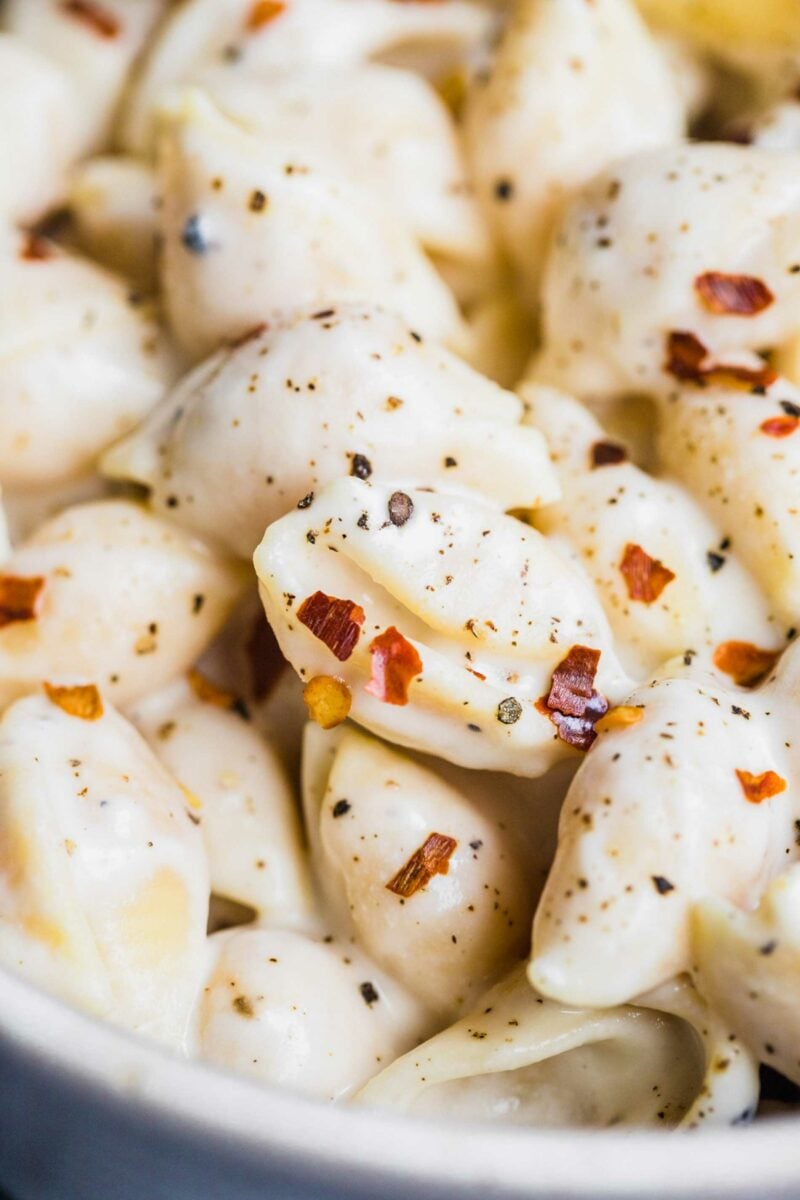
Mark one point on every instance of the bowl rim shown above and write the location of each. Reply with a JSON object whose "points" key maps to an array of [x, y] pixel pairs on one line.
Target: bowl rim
{"points": [[363, 1145]]}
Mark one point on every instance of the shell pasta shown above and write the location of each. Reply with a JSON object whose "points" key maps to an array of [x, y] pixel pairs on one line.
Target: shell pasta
{"points": [[400, 545]]}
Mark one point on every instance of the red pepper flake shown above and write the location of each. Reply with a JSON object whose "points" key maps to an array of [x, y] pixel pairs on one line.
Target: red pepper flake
{"points": [[746, 664], [644, 576], [100, 20], [572, 704], [779, 427], [262, 12], [761, 787], [82, 701], [607, 454], [688, 360], [267, 664], [432, 858], [335, 622], [20, 597], [732, 295], [36, 248], [395, 662], [249, 335]]}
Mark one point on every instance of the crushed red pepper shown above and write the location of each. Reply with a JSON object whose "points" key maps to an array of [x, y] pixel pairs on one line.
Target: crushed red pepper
{"points": [[688, 360], [99, 19], [262, 12], [82, 701], [645, 577], [572, 704], [20, 597], [732, 295], [758, 788], [780, 427], [395, 662], [607, 454], [746, 664], [335, 622], [431, 858]]}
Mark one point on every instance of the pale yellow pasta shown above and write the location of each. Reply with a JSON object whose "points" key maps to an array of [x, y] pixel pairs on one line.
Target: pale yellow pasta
{"points": [[317, 1017], [610, 506], [572, 88], [240, 795], [103, 876], [82, 360], [625, 265], [252, 41], [483, 604], [369, 813], [523, 1059], [138, 576], [230, 256], [374, 397], [691, 795]]}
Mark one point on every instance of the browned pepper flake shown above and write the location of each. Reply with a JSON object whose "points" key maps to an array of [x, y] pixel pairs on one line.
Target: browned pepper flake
{"points": [[746, 664], [780, 427], [503, 190], [262, 12], [662, 885], [36, 248], [100, 20], [645, 577], [624, 716], [20, 597], [266, 662], [768, 947], [573, 705], [688, 360], [401, 507], [395, 662], [758, 788], [328, 700], [206, 690], [257, 201], [249, 335], [307, 501], [790, 408], [335, 622], [81, 700], [432, 858], [341, 808], [715, 561], [369, 994], [361, 467], [732, 295], [607, 454]]}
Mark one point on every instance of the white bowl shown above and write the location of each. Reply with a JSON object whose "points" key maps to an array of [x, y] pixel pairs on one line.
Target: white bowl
{"points": [[92, 1113]]}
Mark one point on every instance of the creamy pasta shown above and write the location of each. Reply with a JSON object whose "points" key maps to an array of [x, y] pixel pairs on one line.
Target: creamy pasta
{"points": [[399, 544]]}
